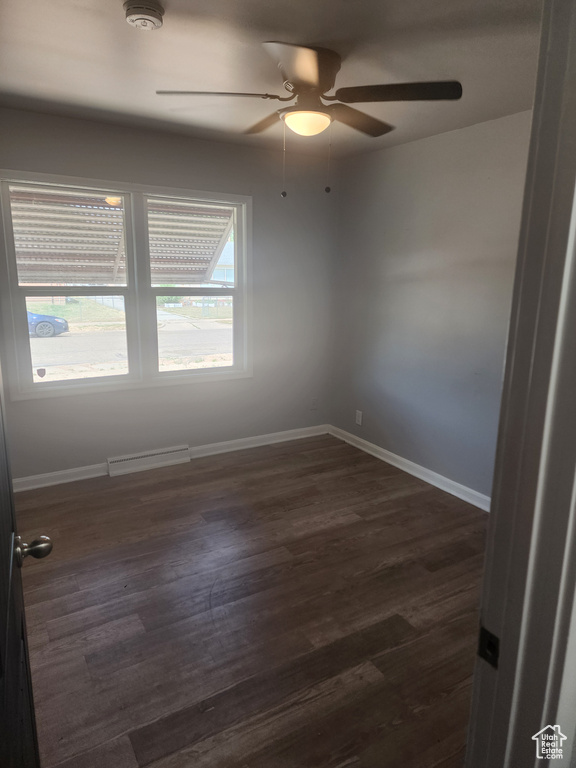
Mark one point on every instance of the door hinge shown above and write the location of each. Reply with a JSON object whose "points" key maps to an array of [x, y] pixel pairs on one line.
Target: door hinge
{"points": [[488, 647]]}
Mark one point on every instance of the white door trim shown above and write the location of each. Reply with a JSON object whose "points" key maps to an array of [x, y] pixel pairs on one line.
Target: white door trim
{"points": [[530, 578]]}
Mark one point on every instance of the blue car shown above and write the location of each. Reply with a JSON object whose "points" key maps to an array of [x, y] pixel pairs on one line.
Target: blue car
{"points": [[45, 326]]}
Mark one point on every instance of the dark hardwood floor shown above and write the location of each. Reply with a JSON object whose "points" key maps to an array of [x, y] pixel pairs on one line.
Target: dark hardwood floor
{"points": [[301, 605]]}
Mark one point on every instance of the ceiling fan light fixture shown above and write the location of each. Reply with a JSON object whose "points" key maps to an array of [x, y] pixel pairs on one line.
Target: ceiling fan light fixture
{"points": [[306, 122]]}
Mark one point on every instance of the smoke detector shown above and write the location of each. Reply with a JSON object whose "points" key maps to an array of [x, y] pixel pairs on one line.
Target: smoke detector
{"points": [[144, 14]]}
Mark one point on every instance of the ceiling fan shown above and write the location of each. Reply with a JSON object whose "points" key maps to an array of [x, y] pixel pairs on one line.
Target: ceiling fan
{"points": [[308, 73]]}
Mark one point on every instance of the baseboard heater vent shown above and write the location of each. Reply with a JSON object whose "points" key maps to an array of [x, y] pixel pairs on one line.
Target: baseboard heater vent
{"points": [[136, 462]]}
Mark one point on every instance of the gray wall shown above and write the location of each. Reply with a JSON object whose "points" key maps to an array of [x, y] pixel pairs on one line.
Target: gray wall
{"points": [[429, 235], [291, 267], [391, 295]]}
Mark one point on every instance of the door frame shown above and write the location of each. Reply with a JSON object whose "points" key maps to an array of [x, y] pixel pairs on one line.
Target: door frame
{"points": [[530, 576]]}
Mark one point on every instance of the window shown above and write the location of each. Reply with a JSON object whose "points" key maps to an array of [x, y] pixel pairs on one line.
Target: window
{"points": [[109, 286]]}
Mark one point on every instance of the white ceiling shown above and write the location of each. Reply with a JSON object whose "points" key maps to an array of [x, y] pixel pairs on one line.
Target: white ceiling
{"points": [[81, 56]]}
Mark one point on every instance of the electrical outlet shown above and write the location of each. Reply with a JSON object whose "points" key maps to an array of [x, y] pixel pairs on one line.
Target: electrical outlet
{"points": [[314, 404], [359, 418]]}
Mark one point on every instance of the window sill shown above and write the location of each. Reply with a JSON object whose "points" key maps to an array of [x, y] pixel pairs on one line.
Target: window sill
{"points": [[40, 392]]}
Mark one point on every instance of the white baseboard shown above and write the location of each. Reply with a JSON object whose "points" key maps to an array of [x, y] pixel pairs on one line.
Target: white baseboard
{"points": [[444, 483], [254, 442], [61, 476], [98, 470]]}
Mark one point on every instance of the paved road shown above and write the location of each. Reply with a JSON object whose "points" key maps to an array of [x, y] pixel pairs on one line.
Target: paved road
{"points": [[177, 340]]}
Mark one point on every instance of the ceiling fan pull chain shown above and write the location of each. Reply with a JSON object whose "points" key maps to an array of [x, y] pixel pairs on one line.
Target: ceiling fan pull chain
{"points": [[327, 188], [284, 193]]}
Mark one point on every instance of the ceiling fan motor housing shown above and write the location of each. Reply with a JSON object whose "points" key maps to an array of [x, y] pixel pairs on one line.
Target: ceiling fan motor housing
{"points": [[144, 14]]}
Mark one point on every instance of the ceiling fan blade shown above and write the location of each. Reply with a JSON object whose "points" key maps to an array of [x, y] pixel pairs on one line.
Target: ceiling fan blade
{"points": [[441, 90], [359, 120], [297, 64], [267, 122], [222, 93]]}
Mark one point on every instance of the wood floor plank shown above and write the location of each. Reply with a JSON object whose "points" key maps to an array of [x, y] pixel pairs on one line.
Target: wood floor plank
{"points": [[264, 690], [50, 591], [47, 611], [228, 747], [99, 635], [112, 754], [423, 738], [334, 737], [67, 671], [156, 688], [300, 605]]}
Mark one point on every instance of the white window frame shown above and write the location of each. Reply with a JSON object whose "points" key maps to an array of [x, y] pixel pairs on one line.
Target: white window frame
{"points": [[140, 295]]}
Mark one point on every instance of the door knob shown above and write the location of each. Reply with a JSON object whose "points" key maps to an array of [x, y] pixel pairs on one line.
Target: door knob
{"points": [[40, 547]]}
